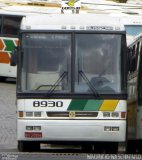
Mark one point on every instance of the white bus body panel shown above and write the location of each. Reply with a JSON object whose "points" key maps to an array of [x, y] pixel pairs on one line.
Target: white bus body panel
{"points": [[74, 130], [70, 128], [72, 22], [8, 71]]}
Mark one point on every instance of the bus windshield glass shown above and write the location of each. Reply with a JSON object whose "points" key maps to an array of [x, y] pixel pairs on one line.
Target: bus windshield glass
{"points": [[71, 63]]}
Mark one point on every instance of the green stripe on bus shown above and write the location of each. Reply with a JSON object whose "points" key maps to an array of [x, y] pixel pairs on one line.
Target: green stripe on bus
{"points": [[9, 45], [85, 105], [93, 105], [77, 104]]}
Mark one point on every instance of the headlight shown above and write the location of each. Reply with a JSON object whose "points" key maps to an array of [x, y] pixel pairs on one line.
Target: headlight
{"points": [[37, 128], [107, 128], [115, 128], [37, 114], [29, 128], [106, 114], [29, 114], [115, 114]]}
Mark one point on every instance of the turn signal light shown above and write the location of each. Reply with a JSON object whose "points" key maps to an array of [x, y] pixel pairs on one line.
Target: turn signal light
{"points": [[123, 114], [21, 114]]}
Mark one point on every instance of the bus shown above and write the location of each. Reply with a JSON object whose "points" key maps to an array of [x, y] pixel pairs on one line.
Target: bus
{"points": [[9, 29], [135, 96], [71, 82]]}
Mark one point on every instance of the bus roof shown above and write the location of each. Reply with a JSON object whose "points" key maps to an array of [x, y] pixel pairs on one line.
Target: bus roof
{"points": [[132, 20], [72, 22]]}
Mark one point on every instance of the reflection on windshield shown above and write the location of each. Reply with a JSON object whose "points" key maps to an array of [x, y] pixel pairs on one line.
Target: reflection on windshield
{"points": [[91, 86], [98, 57], [51, 64], [57, 82], [46, 58]]}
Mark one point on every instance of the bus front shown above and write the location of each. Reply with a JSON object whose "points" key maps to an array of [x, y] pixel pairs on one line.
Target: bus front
{"points": [[71, 87]]}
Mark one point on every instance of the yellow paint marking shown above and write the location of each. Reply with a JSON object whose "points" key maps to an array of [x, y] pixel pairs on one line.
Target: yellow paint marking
{"points": [[109, 105]]}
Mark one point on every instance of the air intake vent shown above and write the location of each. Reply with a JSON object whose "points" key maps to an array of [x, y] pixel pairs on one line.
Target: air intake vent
{"points": [[76, 114]]}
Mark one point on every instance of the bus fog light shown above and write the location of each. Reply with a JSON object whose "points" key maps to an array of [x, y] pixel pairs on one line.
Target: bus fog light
{"points": [[115, 114], [37, 114], [29, 114], [37, 128], [107, 128], [106, 114], [29, 128], [115, 128]]}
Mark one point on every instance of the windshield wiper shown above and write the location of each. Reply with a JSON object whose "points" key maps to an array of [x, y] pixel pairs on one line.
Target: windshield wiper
{"points": [[89, 83], [63, 75]]}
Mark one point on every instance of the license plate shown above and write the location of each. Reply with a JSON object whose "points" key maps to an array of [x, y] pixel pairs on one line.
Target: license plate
{"points": [[33, 134]]}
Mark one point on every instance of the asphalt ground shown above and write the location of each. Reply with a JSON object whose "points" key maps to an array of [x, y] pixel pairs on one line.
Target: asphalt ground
{"points": [[8, 114]]}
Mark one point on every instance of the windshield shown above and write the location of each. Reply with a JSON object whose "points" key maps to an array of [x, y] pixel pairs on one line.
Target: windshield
{"points": [[98, 59], [66, 63], [46, 62]]}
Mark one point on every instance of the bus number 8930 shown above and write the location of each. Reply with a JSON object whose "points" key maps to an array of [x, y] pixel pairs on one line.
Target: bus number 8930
{"points": [[47, 104]]}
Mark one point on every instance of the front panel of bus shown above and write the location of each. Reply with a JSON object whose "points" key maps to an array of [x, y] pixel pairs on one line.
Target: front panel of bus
{"points": [[72, 86]]}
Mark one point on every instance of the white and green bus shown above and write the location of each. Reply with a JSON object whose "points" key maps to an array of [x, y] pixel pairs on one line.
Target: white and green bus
{"points": [[72, 81], [9, 30]]}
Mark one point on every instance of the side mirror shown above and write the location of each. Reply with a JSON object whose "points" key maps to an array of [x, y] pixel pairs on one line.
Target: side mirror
{"points": [[13, 60]]}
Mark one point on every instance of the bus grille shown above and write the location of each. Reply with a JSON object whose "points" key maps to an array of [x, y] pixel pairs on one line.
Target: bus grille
{"points": [[77, 114]]}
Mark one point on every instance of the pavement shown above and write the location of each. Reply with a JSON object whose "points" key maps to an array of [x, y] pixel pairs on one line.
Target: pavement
{"points": [[7, 114]]}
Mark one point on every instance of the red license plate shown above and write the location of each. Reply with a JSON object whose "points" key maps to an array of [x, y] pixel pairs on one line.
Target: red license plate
{"points": [[33, 134]]}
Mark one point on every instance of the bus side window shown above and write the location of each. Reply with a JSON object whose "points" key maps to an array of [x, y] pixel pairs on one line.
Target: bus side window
{"points": [[132, 59], [11, 25]]}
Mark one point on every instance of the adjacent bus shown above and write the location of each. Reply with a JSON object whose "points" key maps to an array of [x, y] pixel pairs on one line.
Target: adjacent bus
{"points": [[9, 29], [133, 26], [135, 96], [72, 82], [132, 23]]}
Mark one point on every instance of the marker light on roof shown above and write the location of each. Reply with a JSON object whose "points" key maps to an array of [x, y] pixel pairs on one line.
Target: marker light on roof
{"points": [[117, 28], [82, 27], [63, 27], [72, 27], [28, 27]]}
